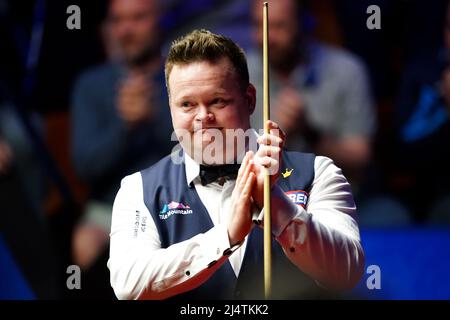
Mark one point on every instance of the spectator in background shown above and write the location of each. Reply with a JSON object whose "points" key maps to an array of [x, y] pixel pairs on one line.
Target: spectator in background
{"points": [[319, 95], [17, 157], [24, 228], [120, 117], [423, 124]]}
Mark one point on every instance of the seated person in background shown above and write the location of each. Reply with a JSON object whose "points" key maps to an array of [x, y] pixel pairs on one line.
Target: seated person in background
{"points": [[186, 224], [24, 227], [320, 95], [120, 117], [17, 155], [423, 127]]}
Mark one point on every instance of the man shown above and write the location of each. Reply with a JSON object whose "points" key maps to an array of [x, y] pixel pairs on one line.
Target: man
{"points": [[120, 117], [319, 95], [187, 227]]}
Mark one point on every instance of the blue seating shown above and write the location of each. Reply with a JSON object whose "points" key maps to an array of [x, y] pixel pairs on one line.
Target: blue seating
{"points": [[414, 263], [13, 285]]}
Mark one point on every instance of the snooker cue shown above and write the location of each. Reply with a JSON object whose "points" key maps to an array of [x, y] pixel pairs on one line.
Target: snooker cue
{"points": [[266, 107]]}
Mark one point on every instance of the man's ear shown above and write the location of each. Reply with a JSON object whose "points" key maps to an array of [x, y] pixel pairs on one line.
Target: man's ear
{"points": [[251, 97]]}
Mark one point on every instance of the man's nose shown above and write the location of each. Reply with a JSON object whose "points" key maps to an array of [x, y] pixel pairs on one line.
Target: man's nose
{"points": [[204, 114]]}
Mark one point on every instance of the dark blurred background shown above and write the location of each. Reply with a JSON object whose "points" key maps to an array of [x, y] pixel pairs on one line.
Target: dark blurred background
{"points": [[45, 195]]}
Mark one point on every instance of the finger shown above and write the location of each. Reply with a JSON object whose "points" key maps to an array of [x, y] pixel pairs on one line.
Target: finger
{"points": [[242, 177], [251, 155], [272, 124], [271, 165], [279, 134], [242, 167], [247, 191], [248, 170], [268, 162], [274, 128], [269, 140], [268, 151]]}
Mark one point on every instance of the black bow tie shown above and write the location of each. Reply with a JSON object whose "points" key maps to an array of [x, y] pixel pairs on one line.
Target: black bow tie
{"points": [[210, 174]]}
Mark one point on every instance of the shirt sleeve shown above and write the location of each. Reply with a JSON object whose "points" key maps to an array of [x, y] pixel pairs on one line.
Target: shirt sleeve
{"points": [[140, 268], [322, 240]]}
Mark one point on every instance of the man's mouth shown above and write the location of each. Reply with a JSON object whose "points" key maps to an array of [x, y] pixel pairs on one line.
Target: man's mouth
{"points": [[208, 135], [203, 130]]}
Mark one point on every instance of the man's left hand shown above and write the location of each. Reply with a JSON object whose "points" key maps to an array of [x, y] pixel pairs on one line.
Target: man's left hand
{"points": [[268, 157]]}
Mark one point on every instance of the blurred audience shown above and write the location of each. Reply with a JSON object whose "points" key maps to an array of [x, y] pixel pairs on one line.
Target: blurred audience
{"points": [[23, 188], [17, 157], [423, 124], [223, 17], [120, 117], [320, 95]]}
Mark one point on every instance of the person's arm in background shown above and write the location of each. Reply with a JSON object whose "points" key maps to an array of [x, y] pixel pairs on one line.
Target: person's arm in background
{"points": [[106, 136], [350, 147], [97, 145], [408, 93]]}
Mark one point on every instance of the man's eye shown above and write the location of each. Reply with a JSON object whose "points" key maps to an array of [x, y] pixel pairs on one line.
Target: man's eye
{"points": [[186, 104], [218, 101]]}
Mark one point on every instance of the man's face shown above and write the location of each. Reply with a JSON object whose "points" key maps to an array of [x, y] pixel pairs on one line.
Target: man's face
{"points": [[205, 100], [133, 28], [283, 29]]}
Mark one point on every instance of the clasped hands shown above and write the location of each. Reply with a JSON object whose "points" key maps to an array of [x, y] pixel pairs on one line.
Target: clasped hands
{"points": [[249, 189]]}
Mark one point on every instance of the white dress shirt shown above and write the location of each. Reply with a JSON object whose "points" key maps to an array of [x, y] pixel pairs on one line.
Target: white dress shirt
{"points": [[322, 240]]}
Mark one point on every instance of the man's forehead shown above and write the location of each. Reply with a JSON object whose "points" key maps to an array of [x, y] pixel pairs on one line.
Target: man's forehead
{"points": [[201, 72]]}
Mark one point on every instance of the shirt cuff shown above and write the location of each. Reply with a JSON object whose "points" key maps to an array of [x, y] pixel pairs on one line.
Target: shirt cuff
{"points": [[217, 245], [283, 211]]}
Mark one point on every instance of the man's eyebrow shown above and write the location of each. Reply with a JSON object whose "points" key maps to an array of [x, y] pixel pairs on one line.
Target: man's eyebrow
{"points": [[183, 97], [217, 91], [220, 92]]}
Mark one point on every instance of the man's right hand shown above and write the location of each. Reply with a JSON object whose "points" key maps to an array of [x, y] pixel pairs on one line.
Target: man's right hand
{"points": [[240, 223], [133, 100]]}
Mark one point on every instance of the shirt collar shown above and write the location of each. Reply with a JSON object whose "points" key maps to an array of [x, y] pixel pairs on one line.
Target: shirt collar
{"points": [[193, 168]]}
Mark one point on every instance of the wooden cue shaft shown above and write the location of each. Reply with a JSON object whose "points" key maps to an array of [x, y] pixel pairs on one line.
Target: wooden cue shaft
{"points": [[266, 113]]}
